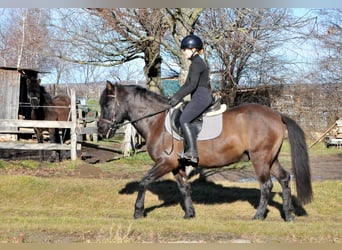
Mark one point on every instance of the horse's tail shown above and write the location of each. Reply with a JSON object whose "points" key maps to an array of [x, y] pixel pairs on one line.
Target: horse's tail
{"points": [[300, 160]]}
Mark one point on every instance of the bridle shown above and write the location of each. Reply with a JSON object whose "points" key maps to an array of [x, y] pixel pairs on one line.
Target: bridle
{"points": [[112, 122]]}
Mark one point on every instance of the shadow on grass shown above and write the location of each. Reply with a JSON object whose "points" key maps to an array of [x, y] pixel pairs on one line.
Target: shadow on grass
{"points": [[207, 192]]}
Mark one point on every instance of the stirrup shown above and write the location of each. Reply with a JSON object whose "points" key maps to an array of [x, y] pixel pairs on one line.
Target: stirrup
{"points": [[188, 170], [191, 159]]}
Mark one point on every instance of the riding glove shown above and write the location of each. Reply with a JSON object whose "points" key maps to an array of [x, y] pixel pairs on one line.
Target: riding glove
{"points": [[173, 101]]}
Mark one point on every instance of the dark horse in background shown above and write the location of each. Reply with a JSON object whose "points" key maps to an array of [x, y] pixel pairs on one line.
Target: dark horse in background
{"points": [[250, 131], [45, 107]]}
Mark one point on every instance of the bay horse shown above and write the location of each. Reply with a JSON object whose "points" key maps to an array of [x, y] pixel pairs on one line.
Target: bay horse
{"points": [[250, 131], [45, 107]]}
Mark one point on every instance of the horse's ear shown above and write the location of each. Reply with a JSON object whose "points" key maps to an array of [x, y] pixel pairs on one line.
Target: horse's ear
{"points": [[109, 85], [23, 72]]}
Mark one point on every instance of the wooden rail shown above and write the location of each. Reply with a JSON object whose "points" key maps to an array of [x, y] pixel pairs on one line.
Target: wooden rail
{"points": [[36, 146], [72, 125], [34, 124]]}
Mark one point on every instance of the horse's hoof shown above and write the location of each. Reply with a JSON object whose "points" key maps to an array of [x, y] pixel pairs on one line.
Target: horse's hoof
{"points": [[258, 217], [51, 160], [189, 216], [290, 218], [138, 214]]}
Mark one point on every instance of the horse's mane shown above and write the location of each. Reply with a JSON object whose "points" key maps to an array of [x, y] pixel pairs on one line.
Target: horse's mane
{"points": [[47, 96], [138, 92]]}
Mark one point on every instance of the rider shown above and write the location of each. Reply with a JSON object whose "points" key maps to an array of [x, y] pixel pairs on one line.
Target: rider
{"points": [[197, 84]]}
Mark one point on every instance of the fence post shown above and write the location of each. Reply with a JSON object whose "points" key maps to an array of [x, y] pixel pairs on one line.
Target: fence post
{"points": [[73, 151], [130, 133]]}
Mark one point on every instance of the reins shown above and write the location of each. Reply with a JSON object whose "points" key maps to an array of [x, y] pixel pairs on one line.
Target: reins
{"points": [[116, 126]]}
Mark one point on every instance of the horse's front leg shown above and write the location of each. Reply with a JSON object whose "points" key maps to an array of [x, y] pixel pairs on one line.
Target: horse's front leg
{"points": [[54, 138], [185, 189], [154, 173], [39, 134], [140, 201]]}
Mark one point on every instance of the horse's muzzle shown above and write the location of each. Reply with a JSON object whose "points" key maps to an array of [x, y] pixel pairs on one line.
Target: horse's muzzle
{"points": [[104, 129], [34, 102]]}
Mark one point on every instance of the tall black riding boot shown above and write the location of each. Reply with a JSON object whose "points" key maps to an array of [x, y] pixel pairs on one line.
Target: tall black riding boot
{"points": [[190, 145]]}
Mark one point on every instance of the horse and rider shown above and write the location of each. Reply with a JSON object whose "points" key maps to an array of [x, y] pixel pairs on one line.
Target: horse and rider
{"points": [[249, 132]]}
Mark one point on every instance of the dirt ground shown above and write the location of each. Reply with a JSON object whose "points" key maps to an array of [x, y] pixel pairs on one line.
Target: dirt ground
{"points": [[328, 167]]}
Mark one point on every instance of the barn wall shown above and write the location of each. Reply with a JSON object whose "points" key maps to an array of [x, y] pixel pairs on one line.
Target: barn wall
{"points": [[9, 94]]}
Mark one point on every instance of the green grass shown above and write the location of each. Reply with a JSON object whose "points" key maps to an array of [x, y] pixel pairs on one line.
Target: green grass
{"points": [[70, 209], [317, 150], [100, 210], [30, 164], [320, 149]]}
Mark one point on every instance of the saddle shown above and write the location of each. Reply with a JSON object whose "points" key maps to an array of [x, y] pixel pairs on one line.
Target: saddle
{"points": [[207, 126]]}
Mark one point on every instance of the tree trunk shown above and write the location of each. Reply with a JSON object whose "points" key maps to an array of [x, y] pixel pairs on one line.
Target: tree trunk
{"points": [[22, 44], [152, 68]]}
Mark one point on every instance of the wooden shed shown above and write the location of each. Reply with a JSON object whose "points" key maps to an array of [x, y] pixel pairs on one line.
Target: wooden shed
{"points": [[13, 94]]}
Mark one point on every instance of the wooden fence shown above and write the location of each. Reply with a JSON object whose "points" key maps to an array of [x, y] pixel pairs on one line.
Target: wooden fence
{"points": [[72, 125]]}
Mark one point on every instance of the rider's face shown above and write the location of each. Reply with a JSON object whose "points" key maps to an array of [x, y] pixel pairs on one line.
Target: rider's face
{"points": [[188, 53]]}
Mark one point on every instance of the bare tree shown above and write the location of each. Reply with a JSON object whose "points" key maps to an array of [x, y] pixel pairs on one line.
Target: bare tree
{"points": [[110, 37], [244, 45], [24, 37], [329, 44], [326, 70]]}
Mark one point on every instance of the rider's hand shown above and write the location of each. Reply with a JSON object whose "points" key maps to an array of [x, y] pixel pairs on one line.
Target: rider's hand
{"points": [[173, 101]]}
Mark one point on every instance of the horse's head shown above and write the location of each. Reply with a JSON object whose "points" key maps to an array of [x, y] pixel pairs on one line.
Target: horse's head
{"points": [[33, 91], [111, 114]]}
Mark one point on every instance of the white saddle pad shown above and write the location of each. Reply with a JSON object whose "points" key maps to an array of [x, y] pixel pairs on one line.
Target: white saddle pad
{"points": [[211, 128]]}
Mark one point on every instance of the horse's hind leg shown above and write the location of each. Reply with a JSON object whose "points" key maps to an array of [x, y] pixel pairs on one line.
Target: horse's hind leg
{"points": [[185, 190], [283, 178]]}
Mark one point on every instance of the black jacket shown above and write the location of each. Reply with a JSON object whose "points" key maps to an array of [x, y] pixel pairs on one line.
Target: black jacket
{"points": [[198, 76]]}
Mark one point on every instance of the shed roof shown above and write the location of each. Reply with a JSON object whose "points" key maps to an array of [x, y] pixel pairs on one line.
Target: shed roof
{"points": [[27, 70], [19, 69]]}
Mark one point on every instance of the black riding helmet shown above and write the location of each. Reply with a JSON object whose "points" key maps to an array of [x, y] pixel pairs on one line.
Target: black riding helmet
{"points": [[192, 41]]}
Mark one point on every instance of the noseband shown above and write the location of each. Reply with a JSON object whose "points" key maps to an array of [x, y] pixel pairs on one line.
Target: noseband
{"points": [[34, 99], [111, 123]]}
